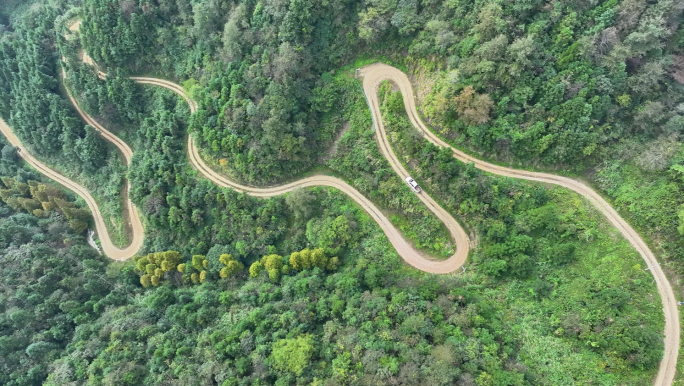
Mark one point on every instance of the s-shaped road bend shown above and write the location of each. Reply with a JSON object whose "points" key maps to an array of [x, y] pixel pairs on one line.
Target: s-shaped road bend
{"points": [[376, 73], [372, 76]]}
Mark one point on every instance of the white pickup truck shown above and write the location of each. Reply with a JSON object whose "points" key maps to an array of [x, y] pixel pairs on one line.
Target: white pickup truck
{"points": [[413, 184]]}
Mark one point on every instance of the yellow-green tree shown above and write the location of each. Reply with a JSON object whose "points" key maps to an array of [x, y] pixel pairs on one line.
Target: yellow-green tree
{"points": [[293, 355], [274, 275], [226, 258], [78, 218], [29, 204], [44, 192], [308, 258], [232, 268], [198, 262], [305, 256], [37, 198], [145, 280], [141, 262], [318, 258], [296, 261], [255, 269], [333, 263], [168, 260], [149, 268], [272, 262]]}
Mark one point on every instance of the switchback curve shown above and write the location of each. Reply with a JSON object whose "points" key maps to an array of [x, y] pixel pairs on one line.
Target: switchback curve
{"points": [[107, 245], [405, 250]]}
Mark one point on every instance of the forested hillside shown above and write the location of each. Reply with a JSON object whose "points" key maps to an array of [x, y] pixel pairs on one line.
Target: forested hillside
{"points": [[592, 88], [305, 288], [42, 118], [51, 279]]}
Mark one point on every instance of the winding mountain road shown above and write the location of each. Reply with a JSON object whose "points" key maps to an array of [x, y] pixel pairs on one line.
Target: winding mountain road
{"points": [[411, 255], [107, 246], [373, 75], [376, 73]]}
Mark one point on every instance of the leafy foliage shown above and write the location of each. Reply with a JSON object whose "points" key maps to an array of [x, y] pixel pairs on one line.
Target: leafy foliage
{"points": [[293, 355], [39, 199], [52, 282]]}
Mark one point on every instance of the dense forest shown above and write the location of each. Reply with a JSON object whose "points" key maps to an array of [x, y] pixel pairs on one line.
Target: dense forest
{"points": [[69, 316], [305, 288], [562, 80]]}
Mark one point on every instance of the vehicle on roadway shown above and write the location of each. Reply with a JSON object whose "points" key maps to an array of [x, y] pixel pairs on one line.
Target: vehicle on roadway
{"points": [[413, 184]]}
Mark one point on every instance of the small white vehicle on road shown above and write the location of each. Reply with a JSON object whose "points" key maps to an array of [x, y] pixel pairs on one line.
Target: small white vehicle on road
{"points": [[413, 184]]}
